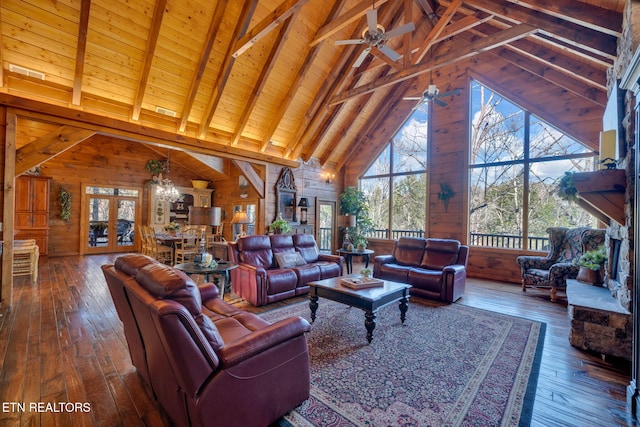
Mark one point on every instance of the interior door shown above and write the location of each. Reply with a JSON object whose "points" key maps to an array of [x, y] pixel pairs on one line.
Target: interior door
{"points": [[110, 217], [327, 232]]}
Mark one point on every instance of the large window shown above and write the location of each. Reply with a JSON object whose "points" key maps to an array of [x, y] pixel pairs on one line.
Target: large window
{"points": [[396, 183], [516, 162]]}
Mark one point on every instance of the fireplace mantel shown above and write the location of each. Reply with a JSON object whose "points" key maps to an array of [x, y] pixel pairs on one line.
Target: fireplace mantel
{"points": [[603, 191]]}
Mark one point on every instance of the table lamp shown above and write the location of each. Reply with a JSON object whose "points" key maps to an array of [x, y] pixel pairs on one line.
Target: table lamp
{"points": [[241, 218]]}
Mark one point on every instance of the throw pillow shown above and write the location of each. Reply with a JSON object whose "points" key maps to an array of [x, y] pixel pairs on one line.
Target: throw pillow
{"points": [[286, 259], [289, 259]]}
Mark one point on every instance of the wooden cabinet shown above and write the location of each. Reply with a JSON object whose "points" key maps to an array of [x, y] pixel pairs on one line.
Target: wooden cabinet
{"points": [[32, 210], [161, 213]]}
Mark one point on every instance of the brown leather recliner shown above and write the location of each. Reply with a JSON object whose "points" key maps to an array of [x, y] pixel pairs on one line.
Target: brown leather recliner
{"points": [[435, 268], [207, 362]]}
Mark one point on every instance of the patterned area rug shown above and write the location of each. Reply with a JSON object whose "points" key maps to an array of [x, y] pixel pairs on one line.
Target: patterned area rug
{"points": [[448, 365]]}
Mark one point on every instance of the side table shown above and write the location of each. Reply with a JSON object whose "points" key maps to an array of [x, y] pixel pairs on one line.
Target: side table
{"points": [[222, 269], [348, 257]]}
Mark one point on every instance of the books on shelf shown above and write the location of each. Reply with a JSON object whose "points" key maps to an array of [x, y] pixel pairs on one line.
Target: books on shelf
{"points": [[361, 282]]}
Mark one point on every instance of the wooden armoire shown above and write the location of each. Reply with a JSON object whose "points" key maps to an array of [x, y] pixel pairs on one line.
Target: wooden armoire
{"points": [[32, 210]]}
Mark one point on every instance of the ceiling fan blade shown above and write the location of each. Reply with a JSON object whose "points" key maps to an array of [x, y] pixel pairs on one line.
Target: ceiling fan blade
{"points": [[439, 102], [400, 30], [412, 98], [372, 21], [451, 92], [392, 54], [361, 58], [350, 41]]}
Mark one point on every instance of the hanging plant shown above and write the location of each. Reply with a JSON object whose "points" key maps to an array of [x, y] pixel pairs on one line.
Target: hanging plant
{"points": [[566, 188], [65, 204], [155, 166]]}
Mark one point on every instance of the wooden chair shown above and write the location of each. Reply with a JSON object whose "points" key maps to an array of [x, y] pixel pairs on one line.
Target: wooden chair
{"points": [[145, 243], [185, 249], [25, 258], [159, 251]]}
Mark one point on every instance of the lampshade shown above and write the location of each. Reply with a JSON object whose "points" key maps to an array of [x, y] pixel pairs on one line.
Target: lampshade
{"points": [[304, 202], [203, 216], [240, 217], [352, 220], [217, 217]]}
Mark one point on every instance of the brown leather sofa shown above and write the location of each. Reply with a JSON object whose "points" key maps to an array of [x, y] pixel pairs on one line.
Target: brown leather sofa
{"points": [[260, 279], [205, 361], [435, 268]]}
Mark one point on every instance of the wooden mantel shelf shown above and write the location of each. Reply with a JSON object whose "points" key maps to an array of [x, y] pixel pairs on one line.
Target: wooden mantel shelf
{"points": [[603, 191]]}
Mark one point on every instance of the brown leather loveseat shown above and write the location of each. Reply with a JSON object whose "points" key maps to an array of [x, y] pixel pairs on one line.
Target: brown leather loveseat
{"points": [[276, 267], [205, 361], [435, 268]]}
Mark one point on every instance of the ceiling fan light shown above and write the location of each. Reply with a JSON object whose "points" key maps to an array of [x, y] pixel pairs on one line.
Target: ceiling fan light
{"points": [[432, 90]]}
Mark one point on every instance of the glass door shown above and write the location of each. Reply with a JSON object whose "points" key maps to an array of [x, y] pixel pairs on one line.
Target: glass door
{"points": [[110, 216], [326, 214]]}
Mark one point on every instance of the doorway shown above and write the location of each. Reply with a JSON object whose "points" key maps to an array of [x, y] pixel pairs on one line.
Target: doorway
{"points": [[327, 233], [109, 218]]}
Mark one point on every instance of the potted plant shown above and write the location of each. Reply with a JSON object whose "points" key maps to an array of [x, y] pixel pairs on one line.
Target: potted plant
{"points": [[354, 202], [359, 240], [365, 272], [279, 226], [591, 266]]}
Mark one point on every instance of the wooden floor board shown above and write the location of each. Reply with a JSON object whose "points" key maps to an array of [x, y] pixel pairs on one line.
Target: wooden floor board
{"points": [[62, 341]]}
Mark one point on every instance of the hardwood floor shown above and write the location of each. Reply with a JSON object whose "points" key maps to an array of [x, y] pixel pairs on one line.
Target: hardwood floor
{"points": [[63, 342]]}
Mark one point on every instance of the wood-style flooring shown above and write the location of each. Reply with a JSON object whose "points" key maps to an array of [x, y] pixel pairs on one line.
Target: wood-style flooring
{"points": [[63, 342]]}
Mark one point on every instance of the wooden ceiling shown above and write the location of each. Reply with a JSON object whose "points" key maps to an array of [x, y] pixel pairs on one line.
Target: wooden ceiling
{"points": [[264, 79]]}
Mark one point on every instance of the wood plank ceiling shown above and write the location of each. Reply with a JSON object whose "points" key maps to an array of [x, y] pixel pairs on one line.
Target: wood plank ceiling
{"points": [[264, 79]]}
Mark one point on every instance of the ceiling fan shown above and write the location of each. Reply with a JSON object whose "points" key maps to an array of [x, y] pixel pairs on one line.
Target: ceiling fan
{"points": [[375, 36], [433, 94]]}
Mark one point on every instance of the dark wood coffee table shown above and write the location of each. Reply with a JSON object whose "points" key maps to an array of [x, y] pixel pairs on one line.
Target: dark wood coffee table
{"points": [[369, 299]]}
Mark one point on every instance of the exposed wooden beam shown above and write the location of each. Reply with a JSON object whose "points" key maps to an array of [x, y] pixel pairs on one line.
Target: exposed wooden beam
{"points": [[227, 64], [448, 58], [83, 27], [437, 30], [49, 113], [553, 76], [48, 146], [252, 176], [264, 74], [149, 52], [9, 125], [573, 34], [462, 25], [541, 50], [275, 18], [212, 33], [350, 16], [300, 76], [588, 15]]}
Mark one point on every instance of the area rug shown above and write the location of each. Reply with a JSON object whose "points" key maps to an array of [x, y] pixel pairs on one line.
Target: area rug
{"points": [[447, 365]]}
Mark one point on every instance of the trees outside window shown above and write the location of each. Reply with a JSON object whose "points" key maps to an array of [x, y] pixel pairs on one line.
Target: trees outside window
{"points": [[396, 183], [516, 162]]}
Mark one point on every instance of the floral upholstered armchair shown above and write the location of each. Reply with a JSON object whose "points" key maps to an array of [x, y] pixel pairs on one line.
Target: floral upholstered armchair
{"points": [[566, 245]]}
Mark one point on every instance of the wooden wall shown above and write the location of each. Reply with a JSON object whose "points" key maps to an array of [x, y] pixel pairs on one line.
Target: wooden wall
{"points": [[100, 160]]}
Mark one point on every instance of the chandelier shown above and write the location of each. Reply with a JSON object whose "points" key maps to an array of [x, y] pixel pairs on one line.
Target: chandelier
{"points": [[167, 191]]}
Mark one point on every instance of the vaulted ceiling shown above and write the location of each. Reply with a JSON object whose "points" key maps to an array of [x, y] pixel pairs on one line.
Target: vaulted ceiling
{"points": [[264, 79]]}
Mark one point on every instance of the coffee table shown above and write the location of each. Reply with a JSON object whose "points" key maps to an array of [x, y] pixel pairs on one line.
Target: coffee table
{"points": [[222, 269], [369, 299]]}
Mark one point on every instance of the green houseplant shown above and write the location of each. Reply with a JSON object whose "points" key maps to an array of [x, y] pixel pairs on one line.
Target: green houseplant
{"points": [[279, 226], [592, 265], [354, 202], [566, 188]]}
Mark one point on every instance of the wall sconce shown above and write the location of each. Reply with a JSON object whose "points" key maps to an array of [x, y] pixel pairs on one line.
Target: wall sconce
{"points": [[304, 204], [328, 177]]}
